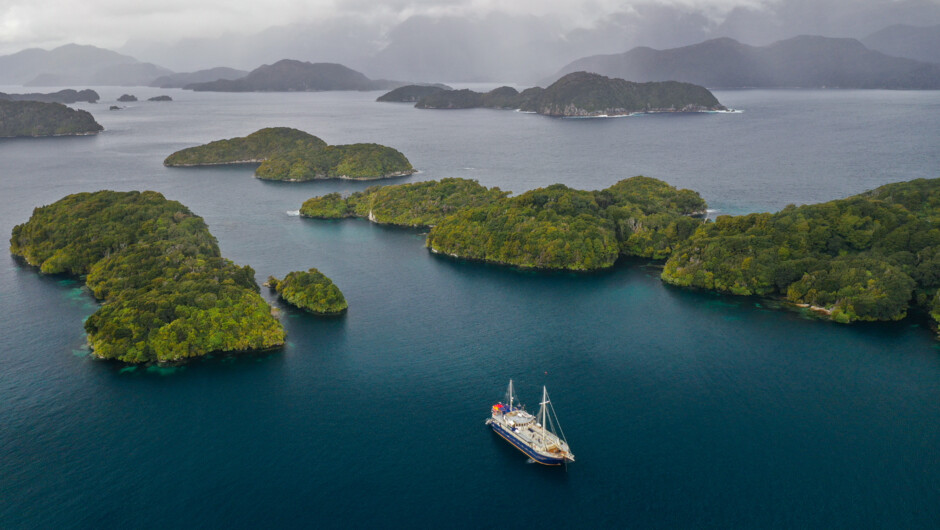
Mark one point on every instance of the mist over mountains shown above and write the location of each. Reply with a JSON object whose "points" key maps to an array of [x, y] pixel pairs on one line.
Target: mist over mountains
{"points": [[526, 49], [522, 48]]}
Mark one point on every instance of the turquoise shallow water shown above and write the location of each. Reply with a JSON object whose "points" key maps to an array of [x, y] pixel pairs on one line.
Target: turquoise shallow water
{"points": [[684, 409]]}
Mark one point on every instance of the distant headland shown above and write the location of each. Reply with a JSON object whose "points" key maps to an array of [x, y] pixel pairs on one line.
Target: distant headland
{"points": [[36, 118]]}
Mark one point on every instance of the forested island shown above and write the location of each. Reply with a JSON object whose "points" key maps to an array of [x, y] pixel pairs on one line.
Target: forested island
{"points": [[293, 155], [36, 118], [868, 257], [127, 98], [167, 293], [311, 291], [579, 94]]}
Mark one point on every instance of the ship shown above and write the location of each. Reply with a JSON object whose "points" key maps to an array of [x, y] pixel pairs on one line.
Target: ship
{"points": [[535, 436]]}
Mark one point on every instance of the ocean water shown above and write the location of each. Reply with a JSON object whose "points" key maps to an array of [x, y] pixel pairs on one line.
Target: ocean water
{"points": [[684, 409]]}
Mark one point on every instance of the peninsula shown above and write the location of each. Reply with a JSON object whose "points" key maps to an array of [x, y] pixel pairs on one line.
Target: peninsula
{"points": [[293, 155], [580, 94], [62, 96], [36, 118], [167, 293], [553, 228], [868, 257], [311, 291]]}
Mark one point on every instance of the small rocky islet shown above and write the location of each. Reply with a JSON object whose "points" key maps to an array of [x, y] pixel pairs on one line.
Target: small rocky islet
{"points": [[310, 290], [579, 94], [287, 154]]}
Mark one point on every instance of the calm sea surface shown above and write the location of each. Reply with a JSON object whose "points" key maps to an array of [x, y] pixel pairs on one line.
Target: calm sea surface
{"points": [[684, 409]]}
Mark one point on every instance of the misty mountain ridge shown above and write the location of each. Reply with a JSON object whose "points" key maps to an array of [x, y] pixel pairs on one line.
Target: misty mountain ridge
{"points": [[800, 62], [180, 80], [68, 61], [504, 47], [288, 75], [904, 40]]}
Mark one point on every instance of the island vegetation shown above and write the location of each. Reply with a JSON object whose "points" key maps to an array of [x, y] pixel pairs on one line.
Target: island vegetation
{"points": [[867, 257], [553, 228], [293, 155], [311, 291], [160, 98], [579, 94], [167, 293], [36, 118], [127, 98]]}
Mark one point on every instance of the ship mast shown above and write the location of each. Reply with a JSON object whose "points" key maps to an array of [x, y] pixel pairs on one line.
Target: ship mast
{"points": [[542, 412], [510, 395]]}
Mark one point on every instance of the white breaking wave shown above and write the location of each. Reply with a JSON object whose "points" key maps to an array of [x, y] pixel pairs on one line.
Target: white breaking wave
{"points": [[293, 213]]}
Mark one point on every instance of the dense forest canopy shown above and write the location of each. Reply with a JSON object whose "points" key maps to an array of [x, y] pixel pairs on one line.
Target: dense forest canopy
{"points": [[867, 257], [310, 290], [167, 293], [549, 228]]}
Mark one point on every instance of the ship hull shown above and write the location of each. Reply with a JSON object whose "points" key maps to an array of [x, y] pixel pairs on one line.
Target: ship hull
{"points": [[518, 444]]}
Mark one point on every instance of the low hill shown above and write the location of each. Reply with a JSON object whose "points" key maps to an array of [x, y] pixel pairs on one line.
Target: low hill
{"points": [[288, 75], [180, 80], [36, 118], [804, 62], [411, 93]]}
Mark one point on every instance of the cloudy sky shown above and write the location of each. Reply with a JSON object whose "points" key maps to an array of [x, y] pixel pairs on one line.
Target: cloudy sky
{"points": [[112, 23]]}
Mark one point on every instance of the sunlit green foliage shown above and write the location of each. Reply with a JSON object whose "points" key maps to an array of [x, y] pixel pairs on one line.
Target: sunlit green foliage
{"points": [[256, 147], [310, 290], [421, 204], [354, 161], [329, 206], [35, 118], [548, 228], [862, 258], [168, 294]]}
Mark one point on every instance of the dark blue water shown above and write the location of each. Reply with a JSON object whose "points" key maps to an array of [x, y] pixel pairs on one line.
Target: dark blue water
{"points": [[684, 409]]}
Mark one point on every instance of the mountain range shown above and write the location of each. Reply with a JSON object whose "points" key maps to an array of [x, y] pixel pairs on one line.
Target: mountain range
{"points": [[804, 62]]}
